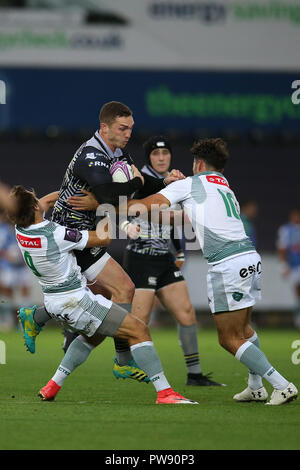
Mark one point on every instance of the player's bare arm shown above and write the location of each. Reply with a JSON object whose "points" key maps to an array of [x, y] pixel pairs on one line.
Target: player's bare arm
{"points": [[94, 240], [49, 200], [142, 206], [101, 236]]}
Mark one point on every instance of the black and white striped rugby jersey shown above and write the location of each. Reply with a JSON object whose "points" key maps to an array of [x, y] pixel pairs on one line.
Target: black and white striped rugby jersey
{"points": [[89, 170], [154, 238]]}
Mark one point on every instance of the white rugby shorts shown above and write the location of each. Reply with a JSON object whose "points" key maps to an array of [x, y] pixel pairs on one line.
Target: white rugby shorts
{"points": [[80, 311], [234, 284]]}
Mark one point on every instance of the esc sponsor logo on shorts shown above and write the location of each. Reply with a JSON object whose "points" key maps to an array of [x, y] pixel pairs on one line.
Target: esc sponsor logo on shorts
{"points": [[28, 242], [244, 272]]}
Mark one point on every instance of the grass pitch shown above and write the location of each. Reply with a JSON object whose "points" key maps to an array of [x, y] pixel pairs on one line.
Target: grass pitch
{"points": [[96, 411]]}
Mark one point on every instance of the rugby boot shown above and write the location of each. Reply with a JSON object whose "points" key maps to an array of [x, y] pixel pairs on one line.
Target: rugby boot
{"points": [[30, 328], [49, 392], [169, 397], [130, 371], [248, 394], [202, 380], [279, 397]]}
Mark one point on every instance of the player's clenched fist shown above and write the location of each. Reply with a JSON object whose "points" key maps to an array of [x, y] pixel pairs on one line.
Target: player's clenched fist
{"points": [[174, 175]]}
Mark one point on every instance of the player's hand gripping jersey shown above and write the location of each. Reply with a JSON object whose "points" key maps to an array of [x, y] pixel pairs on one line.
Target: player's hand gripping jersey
{"points": [[47, 249], [154, 239], [214, 213]]}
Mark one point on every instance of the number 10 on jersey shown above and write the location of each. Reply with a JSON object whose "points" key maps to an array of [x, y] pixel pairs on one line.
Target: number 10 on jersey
{"points": [[230, 204]]}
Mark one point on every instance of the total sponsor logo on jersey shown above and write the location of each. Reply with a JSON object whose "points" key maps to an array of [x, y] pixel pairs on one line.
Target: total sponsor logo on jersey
{"points": [[28, 242], [217, 180]]}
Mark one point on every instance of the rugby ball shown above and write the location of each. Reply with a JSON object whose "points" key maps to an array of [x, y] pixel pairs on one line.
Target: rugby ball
{"points": [[121, 172]]}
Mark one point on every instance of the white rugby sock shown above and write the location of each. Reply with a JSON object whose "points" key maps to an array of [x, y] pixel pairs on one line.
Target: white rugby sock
{"points": [[254, 380], [60, 375], [160, 382], [276, 379], [253, 357]]}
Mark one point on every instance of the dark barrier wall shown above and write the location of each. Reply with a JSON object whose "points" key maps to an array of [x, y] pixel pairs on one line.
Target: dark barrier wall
{"points": [[268, 173], [186, 101]]}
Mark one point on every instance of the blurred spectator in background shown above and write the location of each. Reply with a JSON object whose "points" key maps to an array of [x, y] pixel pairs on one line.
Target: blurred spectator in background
{"points": [[288, 248], [6, 273], [248, 215], [4, 191]]}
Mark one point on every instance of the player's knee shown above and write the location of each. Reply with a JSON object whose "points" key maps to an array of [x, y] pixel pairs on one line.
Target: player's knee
{"points": [[224, 341], [187, 315], [124, 291], [127, 290], [140, 330], [130, 287], [143, 330]]}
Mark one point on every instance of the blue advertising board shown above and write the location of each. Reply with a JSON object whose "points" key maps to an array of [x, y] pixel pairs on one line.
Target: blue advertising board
{"points": [[160, 100]]}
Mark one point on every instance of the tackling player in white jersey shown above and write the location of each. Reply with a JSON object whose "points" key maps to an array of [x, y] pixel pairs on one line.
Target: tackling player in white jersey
{"points": [[47, 248], [233, 279]]}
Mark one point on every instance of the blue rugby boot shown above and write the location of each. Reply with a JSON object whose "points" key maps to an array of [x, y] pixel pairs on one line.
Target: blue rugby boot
{"points": [[30, 328]]}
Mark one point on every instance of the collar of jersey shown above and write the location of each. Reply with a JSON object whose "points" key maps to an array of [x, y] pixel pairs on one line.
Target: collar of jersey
{"points": [[112, 154], [209, 173], [37, 226]]}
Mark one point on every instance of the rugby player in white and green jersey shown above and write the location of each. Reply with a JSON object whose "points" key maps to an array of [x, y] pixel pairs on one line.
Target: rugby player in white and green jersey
{"points": [[233, 279], [47, 248]]}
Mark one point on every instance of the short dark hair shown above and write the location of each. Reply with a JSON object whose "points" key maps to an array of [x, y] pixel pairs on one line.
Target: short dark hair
{"points": [[110, 111], [23, 214], [213, 151]]}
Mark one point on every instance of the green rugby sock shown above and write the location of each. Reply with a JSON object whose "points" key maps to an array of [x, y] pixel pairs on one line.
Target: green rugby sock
{"points": [[255, 360], [122, 347], [147, 359], [77, 353], [41, 316]]}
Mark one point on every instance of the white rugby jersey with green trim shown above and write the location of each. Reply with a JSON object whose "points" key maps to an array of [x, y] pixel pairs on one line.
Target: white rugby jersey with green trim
{"points": [[214, 212], [47, 249]]}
